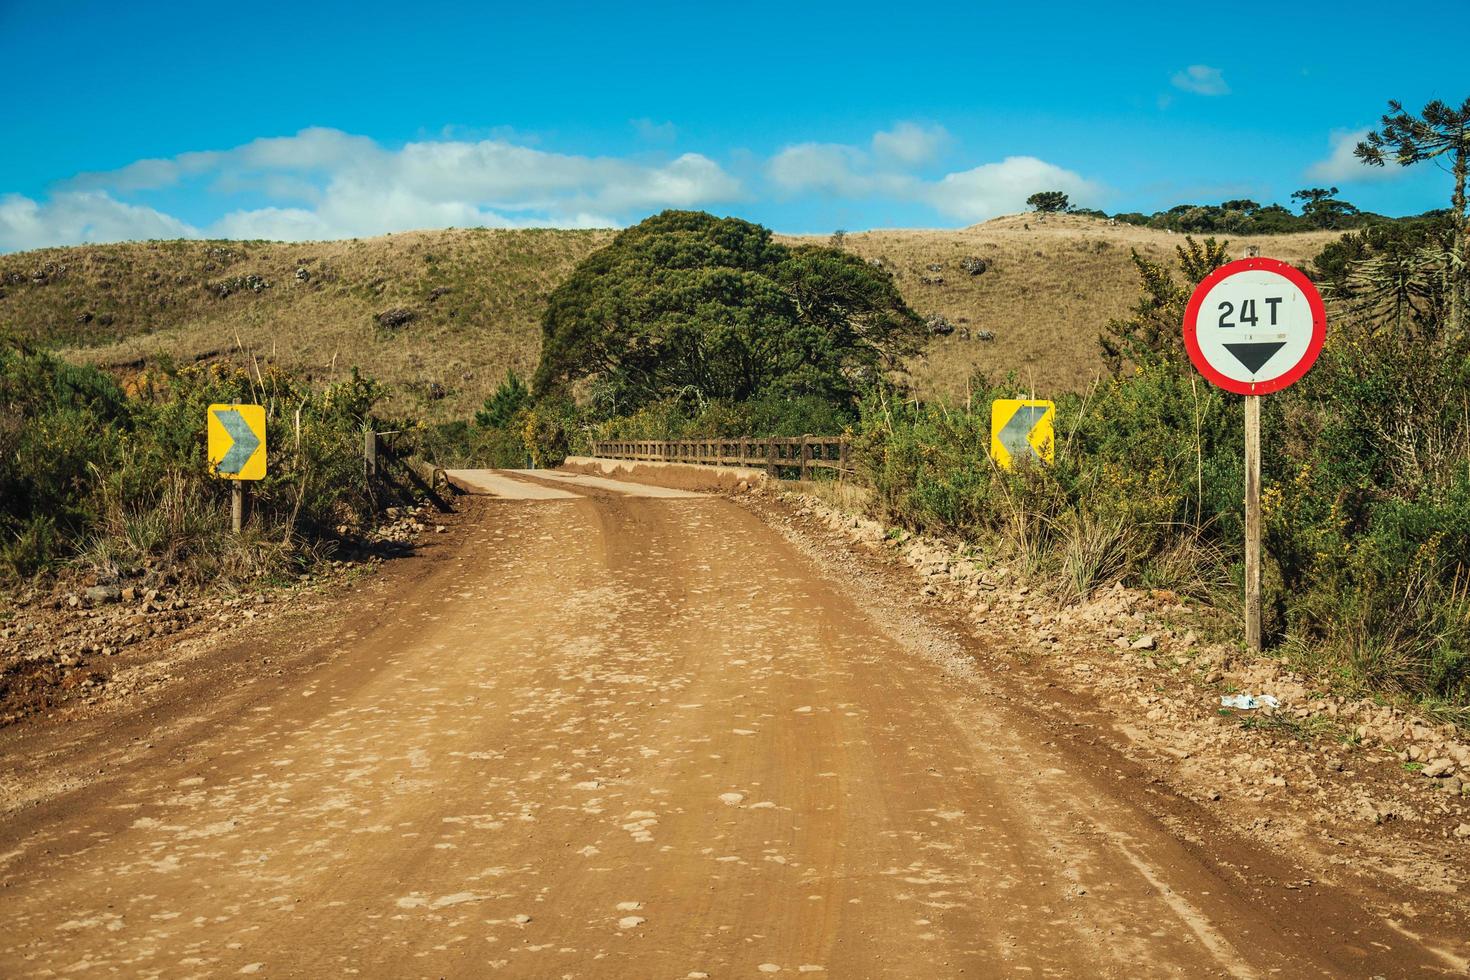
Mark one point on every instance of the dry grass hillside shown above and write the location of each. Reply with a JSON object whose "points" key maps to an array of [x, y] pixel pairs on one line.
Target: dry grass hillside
{"points": [[1049, 286], [440, 315]]}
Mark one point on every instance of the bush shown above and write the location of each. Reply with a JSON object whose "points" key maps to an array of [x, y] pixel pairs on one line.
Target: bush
{"points": [[770, 415], [1366, 493], [118, 476]]}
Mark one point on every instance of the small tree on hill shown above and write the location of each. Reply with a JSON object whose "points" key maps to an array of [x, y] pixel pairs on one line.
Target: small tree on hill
{"points": [[1048, 202], [1439, 131], [1321, 207]]}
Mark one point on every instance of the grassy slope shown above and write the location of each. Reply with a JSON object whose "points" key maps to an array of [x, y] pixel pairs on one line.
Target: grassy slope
{"points": [[1050, 287], [1048, 291], [162, 299]]}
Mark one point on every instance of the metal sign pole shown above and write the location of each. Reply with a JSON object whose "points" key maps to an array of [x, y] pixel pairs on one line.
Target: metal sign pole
{"points": [[1253, 522]]}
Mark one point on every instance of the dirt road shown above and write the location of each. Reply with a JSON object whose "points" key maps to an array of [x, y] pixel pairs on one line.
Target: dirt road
{"points": [[604, 735]]}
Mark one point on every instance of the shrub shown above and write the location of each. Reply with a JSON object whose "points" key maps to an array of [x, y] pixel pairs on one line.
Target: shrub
{"points": [[118, 477], [1366, 493]]}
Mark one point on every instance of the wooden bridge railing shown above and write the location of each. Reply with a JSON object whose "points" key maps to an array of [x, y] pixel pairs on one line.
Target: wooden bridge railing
{"points": [[803, 453]]}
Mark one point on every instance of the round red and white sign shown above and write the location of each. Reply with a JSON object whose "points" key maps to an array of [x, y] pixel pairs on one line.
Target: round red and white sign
{"points": [[1254, 326]]}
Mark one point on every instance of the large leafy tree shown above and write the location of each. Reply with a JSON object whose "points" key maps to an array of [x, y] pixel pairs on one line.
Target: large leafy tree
{"points": [[1440, 132], [685, 302]]}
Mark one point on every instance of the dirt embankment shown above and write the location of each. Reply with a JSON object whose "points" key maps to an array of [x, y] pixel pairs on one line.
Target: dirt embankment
{"points": [[82, 641]]}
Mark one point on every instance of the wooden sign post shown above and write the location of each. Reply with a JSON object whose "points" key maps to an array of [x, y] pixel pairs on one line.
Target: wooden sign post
{"points": [[1253, 522], [236, 437], [1254, 327], [237, 505]]}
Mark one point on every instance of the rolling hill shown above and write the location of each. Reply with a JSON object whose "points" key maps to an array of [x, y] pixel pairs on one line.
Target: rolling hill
{"points": [[440, 315]]}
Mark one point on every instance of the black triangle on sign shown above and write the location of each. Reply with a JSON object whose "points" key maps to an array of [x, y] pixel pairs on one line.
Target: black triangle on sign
{"points": [[1255, 356]]}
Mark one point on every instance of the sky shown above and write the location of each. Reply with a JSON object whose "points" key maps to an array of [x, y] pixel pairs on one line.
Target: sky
{"points": [[137, 120]]}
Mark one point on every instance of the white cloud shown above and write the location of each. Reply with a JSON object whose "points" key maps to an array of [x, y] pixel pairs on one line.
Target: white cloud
{"points": [[825, 168], [1341, 166], [352, 186], [1201, 80], [324, 183], [73, 217], [911, 143], [1002, 188], [971, 195]]}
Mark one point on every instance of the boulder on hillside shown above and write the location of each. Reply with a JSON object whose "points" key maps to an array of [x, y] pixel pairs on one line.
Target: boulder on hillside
{"points": [[939, 326], [395, 317], [240, 284]]}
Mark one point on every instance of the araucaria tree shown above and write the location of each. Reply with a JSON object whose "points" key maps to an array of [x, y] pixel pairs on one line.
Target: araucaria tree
{"points": [[1048, 202], [1440, 131], [1321, 207], [687, 303]]}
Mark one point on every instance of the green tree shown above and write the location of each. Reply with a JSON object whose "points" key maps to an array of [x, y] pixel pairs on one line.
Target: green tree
{"points": [[1048, 202], [1153, 332], [501, 408], [1439, 131], [1396, 271], [1321, 207], [687, 304]]}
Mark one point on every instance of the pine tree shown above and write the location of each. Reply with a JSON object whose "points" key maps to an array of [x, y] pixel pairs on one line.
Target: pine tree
{"points": [[1438, 131], [1049, 202], [502, 407]]}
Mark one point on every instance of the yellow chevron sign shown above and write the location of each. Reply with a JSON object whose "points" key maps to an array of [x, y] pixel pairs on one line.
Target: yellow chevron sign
{"points": [[237, 441], [1021, 432]]}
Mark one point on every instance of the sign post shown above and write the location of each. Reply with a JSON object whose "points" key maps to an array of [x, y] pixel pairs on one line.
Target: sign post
{"points": [[1253, 327], [236, 451], [237, 505], [1253, 522]]}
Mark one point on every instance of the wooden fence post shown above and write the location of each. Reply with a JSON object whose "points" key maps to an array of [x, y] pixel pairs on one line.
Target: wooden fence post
{"points": [[806, 456], [370, 454]]}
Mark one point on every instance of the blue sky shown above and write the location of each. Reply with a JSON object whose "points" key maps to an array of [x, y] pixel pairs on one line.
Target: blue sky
{"points": [[327, 119]]}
